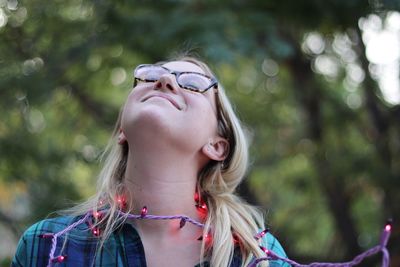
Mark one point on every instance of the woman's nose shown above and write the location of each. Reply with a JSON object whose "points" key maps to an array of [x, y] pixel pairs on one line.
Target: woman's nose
{"points": [[167, 81]]}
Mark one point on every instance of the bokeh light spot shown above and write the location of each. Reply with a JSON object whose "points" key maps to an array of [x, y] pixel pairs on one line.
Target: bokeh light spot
{"points": [[118, 76]]}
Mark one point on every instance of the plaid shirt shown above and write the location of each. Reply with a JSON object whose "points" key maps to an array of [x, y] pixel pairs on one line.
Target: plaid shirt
{"points": [[80, 246]]}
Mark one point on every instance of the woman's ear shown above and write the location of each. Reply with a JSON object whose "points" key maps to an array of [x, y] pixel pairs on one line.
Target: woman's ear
{"points": [[121, 137], [216, 149]]}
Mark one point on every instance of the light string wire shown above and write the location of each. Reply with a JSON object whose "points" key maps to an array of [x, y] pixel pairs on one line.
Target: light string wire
{"points": [[357, 260], [270, 255], [56, 235], [183, 218]]}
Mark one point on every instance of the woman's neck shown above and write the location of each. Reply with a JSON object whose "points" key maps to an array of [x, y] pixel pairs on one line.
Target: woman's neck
{"points": [[165, 183]]}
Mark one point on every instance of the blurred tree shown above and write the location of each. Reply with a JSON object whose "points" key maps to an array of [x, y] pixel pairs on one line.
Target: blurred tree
{"points": [[325, 141]]}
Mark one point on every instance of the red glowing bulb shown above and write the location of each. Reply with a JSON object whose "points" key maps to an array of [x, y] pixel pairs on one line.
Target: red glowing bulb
{"points": [[47, 235], [206, 237], [196, 197], [96, 231], [388, 228], [59, 259], [121, 201], [202, 207], [261, 234], [235, 239], [266, 251], [143, 213], [96, 214]]}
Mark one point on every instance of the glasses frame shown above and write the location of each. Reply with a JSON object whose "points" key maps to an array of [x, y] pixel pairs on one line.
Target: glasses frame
{"points": [[213, 81]]}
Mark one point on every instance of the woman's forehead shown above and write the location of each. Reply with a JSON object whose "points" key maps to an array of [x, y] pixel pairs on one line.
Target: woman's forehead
{"points": [[183, 66]]}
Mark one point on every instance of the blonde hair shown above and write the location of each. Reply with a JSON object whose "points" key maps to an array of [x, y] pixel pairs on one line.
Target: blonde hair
{"points": [[230, 219]]}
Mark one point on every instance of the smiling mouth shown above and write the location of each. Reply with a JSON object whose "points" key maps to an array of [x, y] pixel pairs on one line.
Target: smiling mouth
{"points": [[166, 97]]}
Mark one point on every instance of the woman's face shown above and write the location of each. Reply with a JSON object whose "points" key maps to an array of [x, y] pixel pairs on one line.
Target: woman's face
{"points": [[163, 110]]}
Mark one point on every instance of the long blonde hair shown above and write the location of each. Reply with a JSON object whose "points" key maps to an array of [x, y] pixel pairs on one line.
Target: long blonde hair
{"points": [[230, 219]]}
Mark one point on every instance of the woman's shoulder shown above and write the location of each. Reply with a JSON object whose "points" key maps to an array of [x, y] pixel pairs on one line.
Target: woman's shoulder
{"points": [[37, 239], [271, 243], [45, 228]]}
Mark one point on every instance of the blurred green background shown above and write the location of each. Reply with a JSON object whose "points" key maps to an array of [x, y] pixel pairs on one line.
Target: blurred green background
{"points": [[316, 83]]}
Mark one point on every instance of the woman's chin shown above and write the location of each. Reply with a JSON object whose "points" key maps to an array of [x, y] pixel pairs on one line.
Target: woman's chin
{"points": [[154, 121]]}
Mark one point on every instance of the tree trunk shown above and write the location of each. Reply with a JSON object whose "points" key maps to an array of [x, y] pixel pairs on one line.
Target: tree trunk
{"points": [[339, 202]]}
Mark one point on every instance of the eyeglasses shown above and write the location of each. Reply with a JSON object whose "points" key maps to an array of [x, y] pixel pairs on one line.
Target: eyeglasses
{"points": [[193, 81]]}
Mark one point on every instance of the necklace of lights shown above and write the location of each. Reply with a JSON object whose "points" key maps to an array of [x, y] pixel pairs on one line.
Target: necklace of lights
{"points": [[269, 254]]}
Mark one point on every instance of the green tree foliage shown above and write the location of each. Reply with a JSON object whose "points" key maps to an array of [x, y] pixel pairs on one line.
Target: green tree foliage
{"points": [[325, 149]]}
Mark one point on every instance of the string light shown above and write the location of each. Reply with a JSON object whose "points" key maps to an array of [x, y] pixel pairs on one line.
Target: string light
{"points": [[143, 212], [196, 197], [206, 237], [270, 255], [59, 259], [388, 226], [200, 204], [386, 234], [266, 251], [96, 231], [97, 215], [121, 202], [60, 233], [182, 223], [261, 234], [47, 235], [235, 239]]}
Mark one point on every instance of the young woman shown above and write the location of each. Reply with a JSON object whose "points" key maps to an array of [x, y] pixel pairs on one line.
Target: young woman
{"points": [[177, 149]]}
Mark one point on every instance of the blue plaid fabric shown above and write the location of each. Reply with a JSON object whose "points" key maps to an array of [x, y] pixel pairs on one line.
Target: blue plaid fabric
{"points": [[81, 248]]}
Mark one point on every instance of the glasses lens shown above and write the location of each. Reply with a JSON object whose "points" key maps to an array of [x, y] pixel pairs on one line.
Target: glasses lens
{"points": [[194, 81], [149, 73]]}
